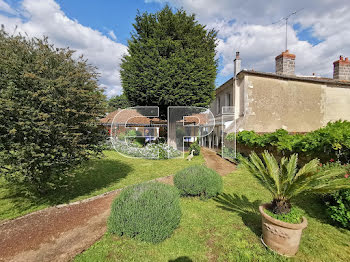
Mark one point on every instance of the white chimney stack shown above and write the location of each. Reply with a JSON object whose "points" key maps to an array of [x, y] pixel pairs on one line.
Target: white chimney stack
{"points": [[237, 64]]}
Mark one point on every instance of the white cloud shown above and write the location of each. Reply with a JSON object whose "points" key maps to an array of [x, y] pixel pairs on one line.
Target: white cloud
{"points": [[112, 34], [246, 26], [44, 17], [5, 7]]}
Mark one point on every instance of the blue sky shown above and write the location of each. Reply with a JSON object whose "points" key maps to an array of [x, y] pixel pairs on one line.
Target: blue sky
{"points": [[105, 15], [118, 16], [100, 29]]}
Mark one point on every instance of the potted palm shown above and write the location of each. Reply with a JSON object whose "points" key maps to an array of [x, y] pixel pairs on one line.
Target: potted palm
{"points": [[285, 181]]}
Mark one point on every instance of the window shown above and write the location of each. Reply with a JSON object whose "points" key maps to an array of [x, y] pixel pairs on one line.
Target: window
{"points": [[218, 103], [228, 101]]}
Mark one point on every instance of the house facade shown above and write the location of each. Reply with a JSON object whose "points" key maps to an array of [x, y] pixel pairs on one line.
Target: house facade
{"points": [[264, 102]]}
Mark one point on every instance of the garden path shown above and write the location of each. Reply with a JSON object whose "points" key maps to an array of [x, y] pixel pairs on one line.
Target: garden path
{"points": [[60, 233], [213, 161]]}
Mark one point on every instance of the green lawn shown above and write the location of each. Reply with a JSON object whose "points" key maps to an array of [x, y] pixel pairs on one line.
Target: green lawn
{"points": [[230, 231], [94, 178]]}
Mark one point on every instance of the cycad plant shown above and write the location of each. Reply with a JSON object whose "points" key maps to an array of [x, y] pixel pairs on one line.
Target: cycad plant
{"points": [[285, 180]]}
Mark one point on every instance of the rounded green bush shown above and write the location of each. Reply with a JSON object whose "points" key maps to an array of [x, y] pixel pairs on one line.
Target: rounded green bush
{"points": [[148, 212], [198, 180], [196, 147]]}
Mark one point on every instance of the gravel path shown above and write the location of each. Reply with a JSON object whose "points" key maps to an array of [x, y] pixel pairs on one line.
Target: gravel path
{"points": [[60, 233]]}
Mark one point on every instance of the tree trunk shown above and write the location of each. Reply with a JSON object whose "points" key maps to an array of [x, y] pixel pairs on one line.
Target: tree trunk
{"points": [[280, 206]]}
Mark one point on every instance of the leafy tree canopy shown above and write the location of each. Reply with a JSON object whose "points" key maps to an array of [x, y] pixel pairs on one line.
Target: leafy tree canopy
{"points": [[50, 104], [118, 101], [171, 61]]}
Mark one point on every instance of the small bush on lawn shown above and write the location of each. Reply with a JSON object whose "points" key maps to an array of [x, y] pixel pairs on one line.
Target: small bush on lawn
{"points": [[148, 212], [196, 147], [198, 180], [339, 207]]}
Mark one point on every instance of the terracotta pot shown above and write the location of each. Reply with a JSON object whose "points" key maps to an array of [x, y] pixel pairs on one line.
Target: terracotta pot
{"points": [[281, 237]]}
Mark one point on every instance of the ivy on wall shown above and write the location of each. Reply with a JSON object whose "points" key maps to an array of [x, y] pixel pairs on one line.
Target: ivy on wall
{"points": [[331, 141]]}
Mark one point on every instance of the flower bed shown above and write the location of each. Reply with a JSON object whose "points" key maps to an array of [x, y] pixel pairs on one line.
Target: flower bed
{"points": [[150, 151]]}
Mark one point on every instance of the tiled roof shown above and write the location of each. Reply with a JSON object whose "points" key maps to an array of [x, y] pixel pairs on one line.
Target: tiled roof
{"points": [[343, 83], [135, 117], [132, 115]]}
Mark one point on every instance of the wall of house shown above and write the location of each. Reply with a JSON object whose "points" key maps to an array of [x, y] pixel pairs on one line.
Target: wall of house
{"points": [[296, 106], [226, 96], [336, 102]]}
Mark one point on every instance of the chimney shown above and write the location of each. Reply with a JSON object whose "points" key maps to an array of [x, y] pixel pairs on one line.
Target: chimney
{"points": [[237, 64], [285, 63], [341, 69]]}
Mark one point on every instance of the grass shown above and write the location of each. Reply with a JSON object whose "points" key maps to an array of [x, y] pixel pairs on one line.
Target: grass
{"points": [[95, 177], [228, 229]]}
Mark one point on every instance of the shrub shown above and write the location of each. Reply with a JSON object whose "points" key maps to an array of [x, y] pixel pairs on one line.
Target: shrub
{"points": [[338, 207], [135, 136], [148, 212], [331, 141], [230, 154], [196, 147], [198, 180], [50, 104]]}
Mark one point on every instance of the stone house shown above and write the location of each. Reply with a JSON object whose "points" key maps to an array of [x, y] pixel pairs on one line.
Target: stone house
{"points": [[264, 102]]}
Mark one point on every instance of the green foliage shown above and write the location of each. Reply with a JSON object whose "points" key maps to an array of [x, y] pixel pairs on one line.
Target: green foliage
{"points": [[135, 136], [294, 216], [171, 61], [148, 212], [198, 180], [49, 104], [92, 178], [285, 180], [338, 207], [196, 147], [118, 102], [230, 154], [338, 203], [233, 230], [332, 141]]}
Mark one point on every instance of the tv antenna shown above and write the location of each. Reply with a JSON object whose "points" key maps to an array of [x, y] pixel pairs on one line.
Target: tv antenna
{"points": [[286, 19]]}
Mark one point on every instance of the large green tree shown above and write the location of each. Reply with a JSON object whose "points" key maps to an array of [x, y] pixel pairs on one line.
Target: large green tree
{"points": [[50, 104], [118, 101], [171, 61]]}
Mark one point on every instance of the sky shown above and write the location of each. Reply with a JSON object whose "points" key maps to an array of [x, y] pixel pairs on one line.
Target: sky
{"points": [[318, 34]]}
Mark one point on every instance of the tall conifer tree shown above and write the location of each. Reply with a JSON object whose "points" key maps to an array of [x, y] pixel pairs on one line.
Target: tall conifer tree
{"points": [[171, 61]]}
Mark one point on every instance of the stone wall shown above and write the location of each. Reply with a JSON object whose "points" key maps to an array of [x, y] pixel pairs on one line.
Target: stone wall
{"points": [[297, 106], [222, 94]]}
